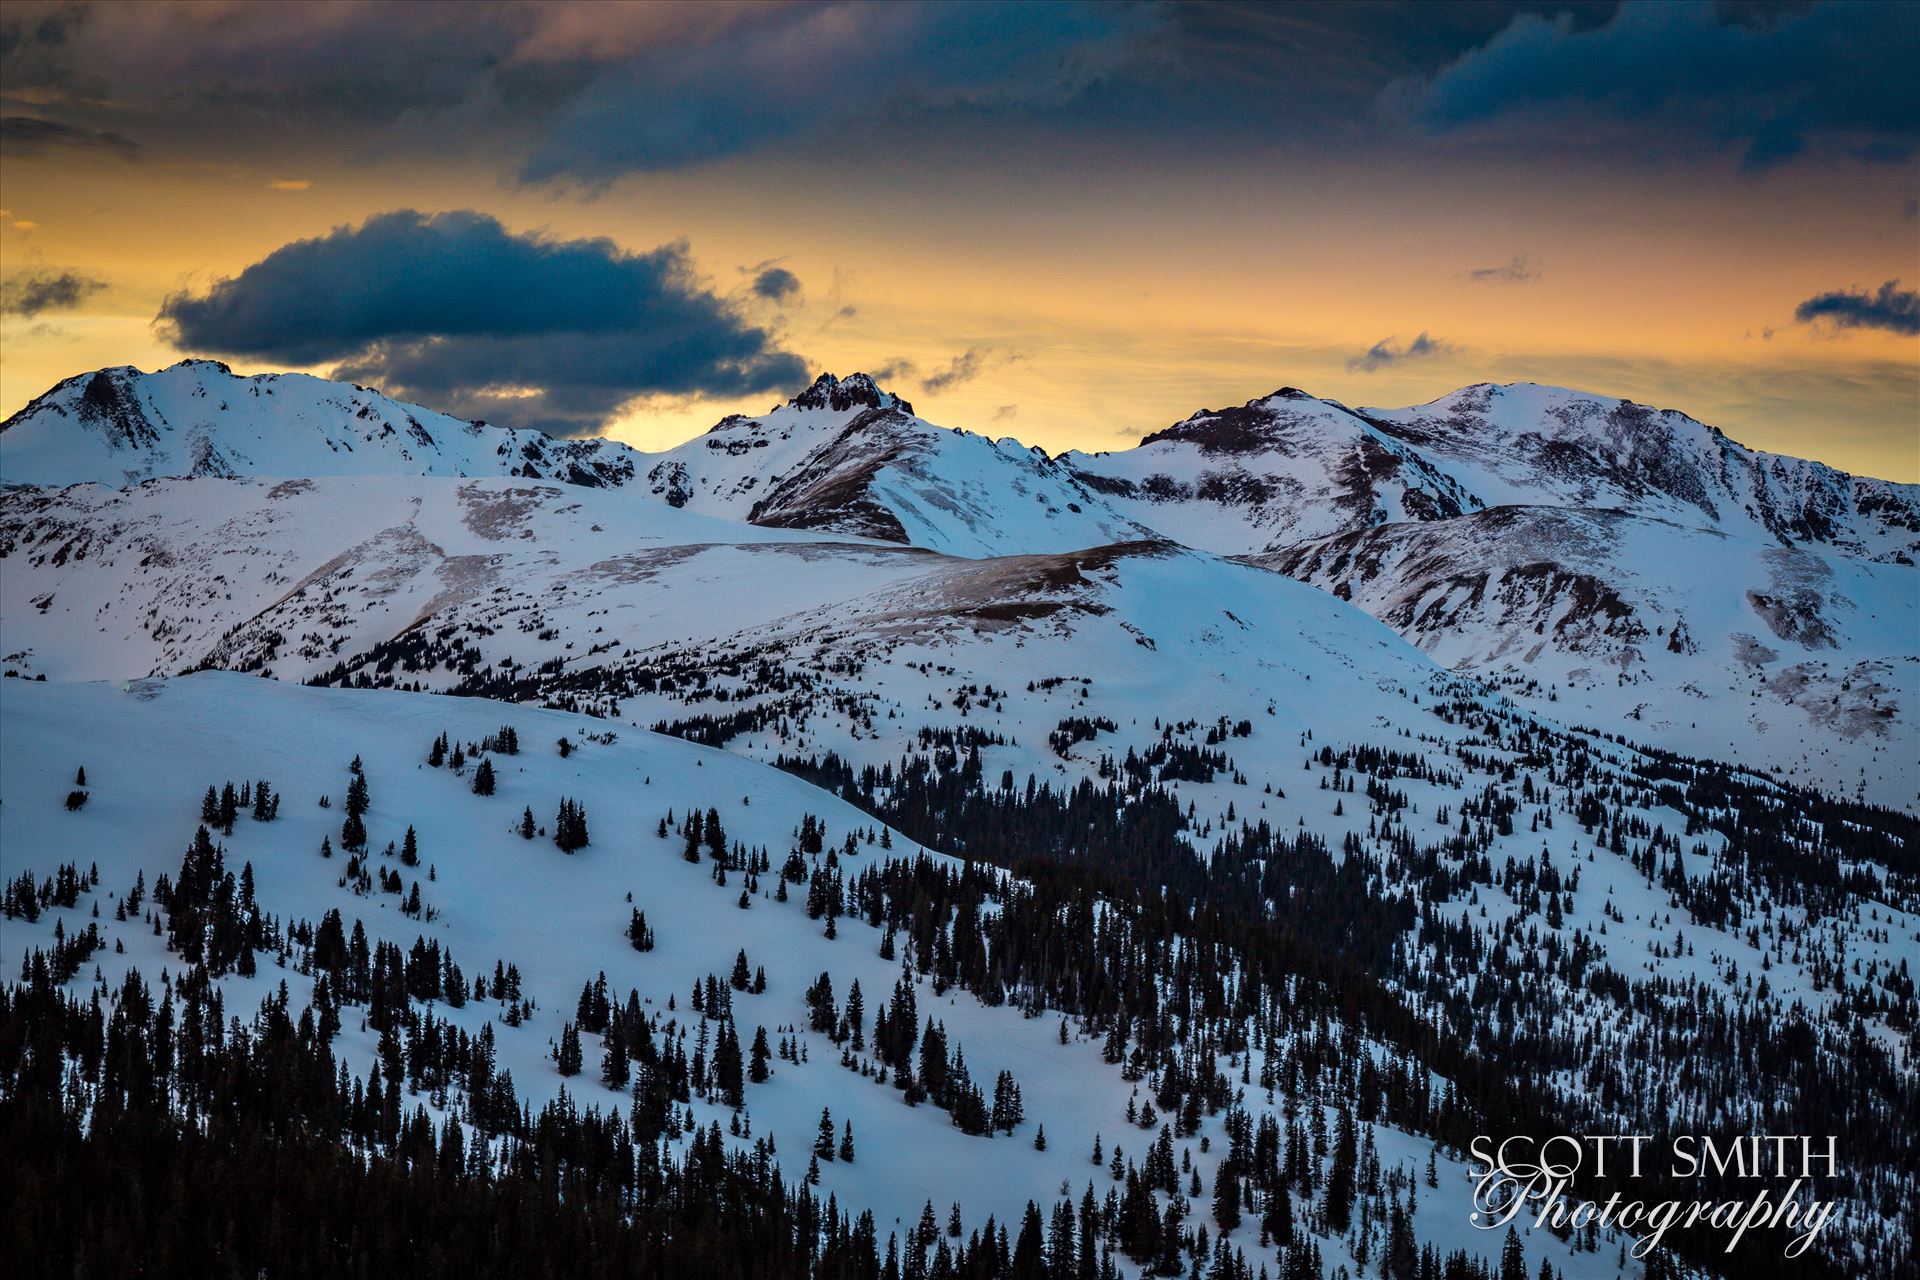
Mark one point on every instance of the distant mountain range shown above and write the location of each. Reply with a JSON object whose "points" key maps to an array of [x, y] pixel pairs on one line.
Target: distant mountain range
{"points": [[1607, 563]]}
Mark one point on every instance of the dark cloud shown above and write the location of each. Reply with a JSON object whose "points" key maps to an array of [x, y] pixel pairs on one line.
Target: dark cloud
{"points": [[1006, 413], [807, 72], [964, 367], [1385, 352], [777, 284], [567, 91], [1679, 75], [898, 369], [454, 310], [28, 293], [23, 136], [1516, 270], [1891, 308]]}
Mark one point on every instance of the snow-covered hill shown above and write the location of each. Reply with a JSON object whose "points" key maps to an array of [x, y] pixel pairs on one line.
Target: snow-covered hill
{"points": [[1788, 658], [196, 418], [292, 576], [842, 456], [846, 456], [1290, 467], [1245, 752], [1610, 564], [483, 895]]}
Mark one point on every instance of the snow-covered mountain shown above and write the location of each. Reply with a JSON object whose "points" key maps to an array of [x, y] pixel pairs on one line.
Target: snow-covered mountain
{"points": [[1788, 658], [1289, 467], [842, 456], [120, 426], [845, 455], [1392, 876], [1610, 564]]}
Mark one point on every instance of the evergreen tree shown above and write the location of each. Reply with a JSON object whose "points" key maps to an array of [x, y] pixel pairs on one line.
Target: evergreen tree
{"points": [[1338, 1207], [1513, 1259], [1226, 1197], [570, 826], [728, 1069], [613, 1064], [568, 1054], [483, 779], [757, 1070], [637, 931]]}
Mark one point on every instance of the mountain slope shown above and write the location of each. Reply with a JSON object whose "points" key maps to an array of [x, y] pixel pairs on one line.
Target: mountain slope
{"points": [[196, 418], [1290, 467], [841, 456], [1246, 751], [486, 894], [1793, 661], [290, 576], [1607, 563], [846, 456]]}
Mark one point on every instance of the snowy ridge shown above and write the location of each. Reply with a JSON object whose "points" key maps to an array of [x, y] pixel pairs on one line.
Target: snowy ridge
{"points": [[1787, 658], [197, 418], [1290, 467], [845, 456]]}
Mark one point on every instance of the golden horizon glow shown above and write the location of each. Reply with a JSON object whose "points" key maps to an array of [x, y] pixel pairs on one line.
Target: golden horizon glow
{"points": [[1105, 305]]}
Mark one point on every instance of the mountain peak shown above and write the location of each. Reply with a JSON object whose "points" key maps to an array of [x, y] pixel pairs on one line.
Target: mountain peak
{"points": [[841, 394]]}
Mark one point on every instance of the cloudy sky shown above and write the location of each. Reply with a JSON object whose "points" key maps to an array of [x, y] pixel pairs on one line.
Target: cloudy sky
{"points": [[1072, 223]]}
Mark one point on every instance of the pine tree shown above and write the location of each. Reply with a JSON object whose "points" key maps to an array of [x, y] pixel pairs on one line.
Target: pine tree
{"points": [[526, 823], [570, 826], [483, 779], [1278, 1220], [846, 1143], [1029, 1260], [1513, 1259], [613, 1064], [568, 1055], [823, 1144], [410, 849], [1340, 1177], [638, 933], [1226, 1197], [728, 1070], [757, 1070]]}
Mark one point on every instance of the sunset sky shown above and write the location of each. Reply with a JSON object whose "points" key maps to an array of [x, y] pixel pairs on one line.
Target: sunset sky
{"points": [[1067, 223]]}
